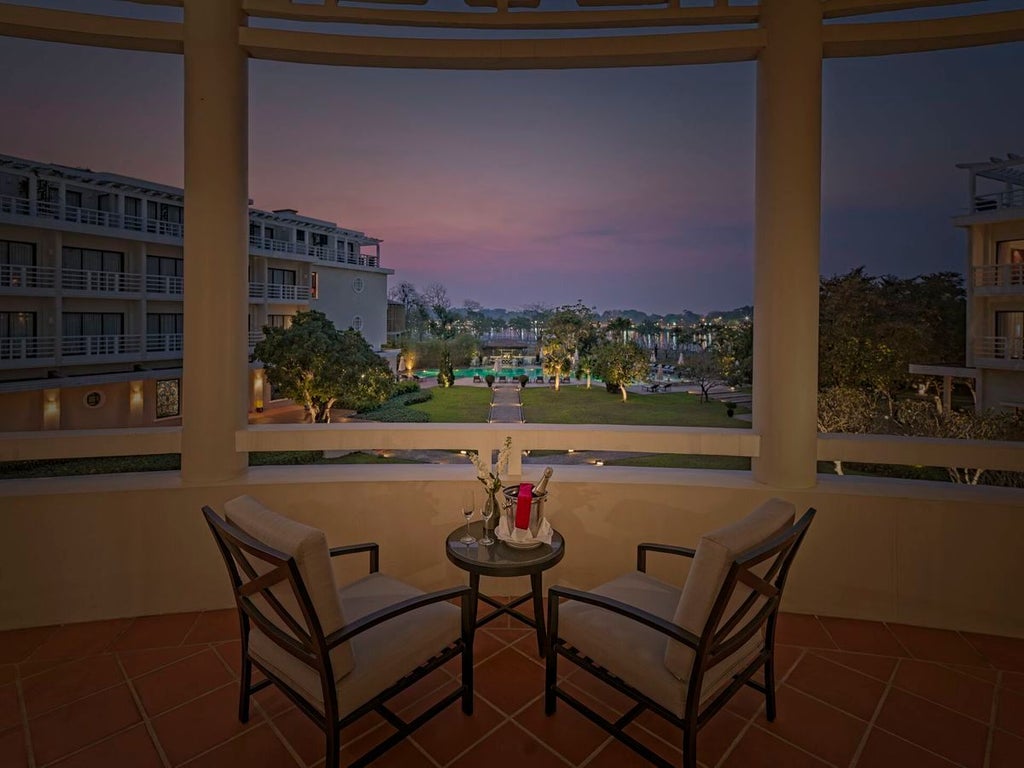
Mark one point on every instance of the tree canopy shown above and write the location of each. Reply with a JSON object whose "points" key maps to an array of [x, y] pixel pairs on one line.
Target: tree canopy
{"points": [[320, 367], [872, 328], [561, 338], [620, 363], [724, 354]]}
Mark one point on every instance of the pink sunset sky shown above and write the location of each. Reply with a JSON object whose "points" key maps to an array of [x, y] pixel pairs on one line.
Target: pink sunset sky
{"points": [[623, 188]]}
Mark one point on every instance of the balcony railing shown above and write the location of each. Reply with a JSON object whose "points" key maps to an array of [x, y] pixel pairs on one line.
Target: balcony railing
{"points": [[21, 206], [1007, 351], [255, 337], [1011, 198], [106, 219], [154, 226], [16, 277], [99, 346], [29, 348], [319, 252], [1001, 277], [100, 282], [164, 342], [165, 284], [279, 292]]}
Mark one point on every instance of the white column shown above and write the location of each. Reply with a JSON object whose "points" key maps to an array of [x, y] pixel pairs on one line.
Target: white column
{"points": [[215, 376], [787, 243]]}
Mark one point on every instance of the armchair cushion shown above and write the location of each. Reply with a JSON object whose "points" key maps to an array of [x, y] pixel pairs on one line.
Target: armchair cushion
{"points": [[715, 553], [633, 652], [309, 548], [383, 653]]}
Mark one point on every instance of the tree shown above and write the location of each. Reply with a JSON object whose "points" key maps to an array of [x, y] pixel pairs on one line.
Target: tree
{"points": [[560, 339], [416, 314], [620, 364], [923, 418], [734, 346], [703, 368], [845, 409], [315, 364], [872, 328], [586, 366], [619, 325], [443, 325]]}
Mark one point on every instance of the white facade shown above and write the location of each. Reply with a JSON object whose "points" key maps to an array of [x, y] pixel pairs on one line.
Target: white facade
{"points": [[995, 280], [92, 283]]}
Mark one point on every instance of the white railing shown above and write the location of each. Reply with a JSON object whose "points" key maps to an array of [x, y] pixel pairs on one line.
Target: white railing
{"points": [[318, 252], [999, 276], [19, 206], [1012, 198], [999, 348], [100, 282], [95, 346], [107, 219], [154, 226], [277, 246], [30, 348], [279, 292], [163, 342], [255, 337], [20, 277], [165, 284]]}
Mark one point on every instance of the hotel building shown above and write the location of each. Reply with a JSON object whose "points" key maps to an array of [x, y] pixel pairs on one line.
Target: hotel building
{"points": [[92, 271], [995, 284]]}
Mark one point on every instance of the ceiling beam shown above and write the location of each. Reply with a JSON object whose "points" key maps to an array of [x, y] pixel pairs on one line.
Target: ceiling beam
{"points": [[549, 53], [833, 9], [90, 29], [885, 38]]}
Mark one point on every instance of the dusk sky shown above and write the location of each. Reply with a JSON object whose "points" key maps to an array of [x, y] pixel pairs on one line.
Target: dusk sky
{"points": [[629, 188]]}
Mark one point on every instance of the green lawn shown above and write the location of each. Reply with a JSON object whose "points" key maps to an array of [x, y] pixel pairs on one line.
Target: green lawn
{"points": [[463, 405], [109, 465], [578, 405], [683, 461]]}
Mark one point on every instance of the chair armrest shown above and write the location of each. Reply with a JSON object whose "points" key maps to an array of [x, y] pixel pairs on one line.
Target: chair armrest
{"points": [[351, 549], [656, 623], [643, 548], [371, 620]]}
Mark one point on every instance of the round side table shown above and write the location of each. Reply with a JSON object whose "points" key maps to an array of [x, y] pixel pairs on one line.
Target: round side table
{"points": [[502, 560]]}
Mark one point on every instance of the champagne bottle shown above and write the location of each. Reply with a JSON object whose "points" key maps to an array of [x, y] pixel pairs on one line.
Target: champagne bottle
{"points": [[541, 487]]}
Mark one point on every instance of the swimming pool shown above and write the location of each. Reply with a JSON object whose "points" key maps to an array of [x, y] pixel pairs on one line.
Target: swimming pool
{"points": [[469, 373]]}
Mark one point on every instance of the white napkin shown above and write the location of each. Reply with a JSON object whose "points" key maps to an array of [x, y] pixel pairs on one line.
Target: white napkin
{"points": [[505, 531]]}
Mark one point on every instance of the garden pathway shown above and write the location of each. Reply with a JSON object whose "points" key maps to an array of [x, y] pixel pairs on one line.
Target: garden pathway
{"points": [[506, 405]]}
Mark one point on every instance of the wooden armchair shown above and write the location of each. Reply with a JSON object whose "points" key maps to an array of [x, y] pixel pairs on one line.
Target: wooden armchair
{"points": [[338, 654], [681, 653]]}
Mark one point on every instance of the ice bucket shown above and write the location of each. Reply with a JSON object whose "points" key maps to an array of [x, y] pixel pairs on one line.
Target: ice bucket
{"points": [[511, 494]]}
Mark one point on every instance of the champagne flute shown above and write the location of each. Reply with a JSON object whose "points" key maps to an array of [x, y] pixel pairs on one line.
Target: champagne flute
{"points": [[468, 503], [489, 509]]}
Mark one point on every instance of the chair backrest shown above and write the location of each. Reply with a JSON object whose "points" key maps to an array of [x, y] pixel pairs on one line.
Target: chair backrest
{"points": [[710, 592], [283, 582]]}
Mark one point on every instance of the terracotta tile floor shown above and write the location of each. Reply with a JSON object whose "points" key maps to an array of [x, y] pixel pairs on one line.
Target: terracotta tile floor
{"points": [[161, 691]]}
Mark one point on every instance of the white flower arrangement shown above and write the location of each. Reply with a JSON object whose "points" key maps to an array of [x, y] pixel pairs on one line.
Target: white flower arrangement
{"points": [[492, 480]]}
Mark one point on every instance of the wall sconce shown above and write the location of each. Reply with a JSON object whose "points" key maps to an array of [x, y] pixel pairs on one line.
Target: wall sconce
{"points": [[51, 409]]}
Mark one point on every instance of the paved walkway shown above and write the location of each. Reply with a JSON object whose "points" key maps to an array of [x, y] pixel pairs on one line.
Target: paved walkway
{"points": [[506, 405]]}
